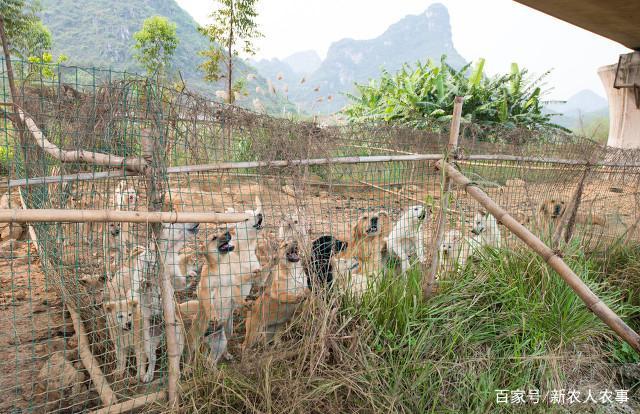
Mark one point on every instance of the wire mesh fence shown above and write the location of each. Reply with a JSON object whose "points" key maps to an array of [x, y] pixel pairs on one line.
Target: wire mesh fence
{"points": [[330, 207]]}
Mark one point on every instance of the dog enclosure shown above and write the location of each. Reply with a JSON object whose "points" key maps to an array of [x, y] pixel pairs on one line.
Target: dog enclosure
{"points": [[90, 139]]}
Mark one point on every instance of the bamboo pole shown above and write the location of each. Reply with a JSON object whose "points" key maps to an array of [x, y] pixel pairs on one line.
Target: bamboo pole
{"points": [[225, 166], [132, 404], [106, 216], [89, 361], [173, 328], [451, 150], [95, 158], [594, 303]]}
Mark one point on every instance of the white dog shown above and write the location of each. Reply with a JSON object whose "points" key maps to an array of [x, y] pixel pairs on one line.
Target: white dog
{"points": [[125, 198], [486, 231], [146, 285], [456, 249], [406, 239]]}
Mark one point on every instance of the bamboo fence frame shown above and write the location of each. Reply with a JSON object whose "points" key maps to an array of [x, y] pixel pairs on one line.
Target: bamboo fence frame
{"points": [[226, 166], [592, 301], [105, 216], [452, 149]]}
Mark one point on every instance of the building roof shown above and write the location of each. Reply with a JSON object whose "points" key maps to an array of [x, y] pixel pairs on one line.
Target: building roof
{"points": [[613, 19]]}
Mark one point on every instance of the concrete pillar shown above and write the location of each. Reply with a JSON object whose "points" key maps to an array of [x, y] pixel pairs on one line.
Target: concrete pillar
{"points": [[624, 117]]}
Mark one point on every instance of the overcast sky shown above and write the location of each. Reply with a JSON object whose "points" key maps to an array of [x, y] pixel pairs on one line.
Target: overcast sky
{"points": [[501, 31]]}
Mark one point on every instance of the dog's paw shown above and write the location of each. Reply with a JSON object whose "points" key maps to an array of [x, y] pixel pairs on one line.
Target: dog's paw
{"points": [[147, 377]]}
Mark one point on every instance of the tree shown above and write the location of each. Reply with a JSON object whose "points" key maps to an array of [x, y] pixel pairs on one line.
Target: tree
{"points": [[233, 31], [422, 97], [155, 44], [26, 34]]}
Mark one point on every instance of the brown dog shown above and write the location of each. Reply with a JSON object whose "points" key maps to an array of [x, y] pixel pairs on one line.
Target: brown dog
{"points": [[288, 288], [368, 241], [219, 293]]}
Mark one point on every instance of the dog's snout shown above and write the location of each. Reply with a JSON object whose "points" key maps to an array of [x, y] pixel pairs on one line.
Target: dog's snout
{"points": [[128, 325]]}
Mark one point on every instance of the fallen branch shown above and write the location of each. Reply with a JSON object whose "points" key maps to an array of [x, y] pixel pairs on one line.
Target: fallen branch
{"points": [[133, 164]]}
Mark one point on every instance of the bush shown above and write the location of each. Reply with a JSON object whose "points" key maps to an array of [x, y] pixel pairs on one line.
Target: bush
{"points": [[422, 97]]}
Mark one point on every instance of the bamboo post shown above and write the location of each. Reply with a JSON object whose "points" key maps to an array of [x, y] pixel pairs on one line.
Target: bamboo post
{"points": [[451, 150], [89, 361], [105, 216], [173, 329], [594, 303]]}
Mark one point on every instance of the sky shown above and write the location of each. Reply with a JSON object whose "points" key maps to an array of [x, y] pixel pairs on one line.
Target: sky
{"points": [[501, 31]]}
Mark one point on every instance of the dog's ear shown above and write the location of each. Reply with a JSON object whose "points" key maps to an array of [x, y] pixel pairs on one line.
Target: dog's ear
{"points": [[356, 231], [543, 207], [133, 302], [109, 306]]}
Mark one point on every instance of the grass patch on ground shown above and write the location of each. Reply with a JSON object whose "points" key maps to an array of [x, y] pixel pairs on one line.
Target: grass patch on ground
{"points": [[506, 322]]}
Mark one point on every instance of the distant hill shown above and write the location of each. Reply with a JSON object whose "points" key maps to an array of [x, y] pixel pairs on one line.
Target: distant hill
{"points": [[304, 63], [99, 33], [413, 38], [582, 108]]}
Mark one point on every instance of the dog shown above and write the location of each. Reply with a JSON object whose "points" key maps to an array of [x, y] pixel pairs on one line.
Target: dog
{"points": [[125, 197], [368, 243], [276, 306], [350, 278], [219, 293], [291, 227], [486, 231], [551, 211], [247, 235], [146, 284], [454, 251], [319, 267], [406, 239], [124, 323]]}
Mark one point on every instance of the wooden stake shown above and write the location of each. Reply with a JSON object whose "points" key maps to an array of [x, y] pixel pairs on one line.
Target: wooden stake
{"points": [[89, 361], [444, 198], [132, 404], [594, 303]]}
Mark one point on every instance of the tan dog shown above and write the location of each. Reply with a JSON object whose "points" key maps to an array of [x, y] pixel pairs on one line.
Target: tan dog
{"points": [[551, 210], [219, 292], [368, 241], [124, 323], [288, 288]]}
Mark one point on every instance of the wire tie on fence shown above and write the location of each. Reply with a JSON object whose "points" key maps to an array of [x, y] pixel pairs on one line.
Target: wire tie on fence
{"points": [[470, 184]]}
